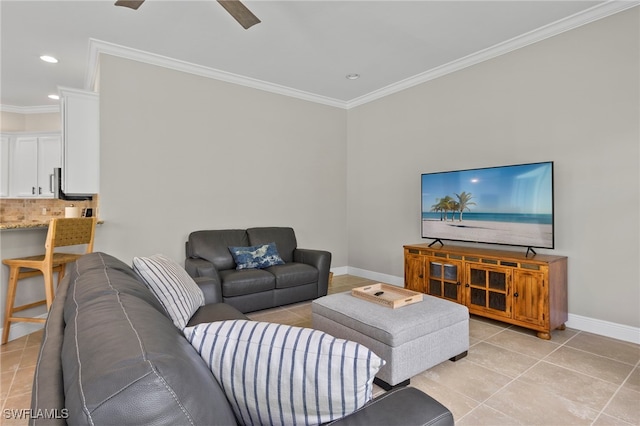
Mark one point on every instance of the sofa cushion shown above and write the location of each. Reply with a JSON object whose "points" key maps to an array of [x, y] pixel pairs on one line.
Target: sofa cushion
{"points": [[123, 361], [279, 374], [215, 312], [256, 257], [294, 274], [214, 246], [285, 239], [170, 283], [246, 281]]}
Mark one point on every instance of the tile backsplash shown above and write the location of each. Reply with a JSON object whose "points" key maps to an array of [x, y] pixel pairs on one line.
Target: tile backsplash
{"points": [[38, 210]]}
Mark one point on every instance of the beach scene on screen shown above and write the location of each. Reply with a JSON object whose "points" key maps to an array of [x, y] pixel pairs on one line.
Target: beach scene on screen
{"points": [[510, 205]]}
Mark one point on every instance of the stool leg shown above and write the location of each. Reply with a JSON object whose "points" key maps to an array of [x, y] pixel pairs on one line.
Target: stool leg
{"points": [[14, 271], [63, 269], [48, 287]]}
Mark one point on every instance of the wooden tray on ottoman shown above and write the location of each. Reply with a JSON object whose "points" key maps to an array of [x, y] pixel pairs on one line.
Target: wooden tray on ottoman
{"points": [[392, 296]]}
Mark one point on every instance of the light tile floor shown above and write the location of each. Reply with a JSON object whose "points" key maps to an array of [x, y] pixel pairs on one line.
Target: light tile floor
{"points": [[510, 377]]}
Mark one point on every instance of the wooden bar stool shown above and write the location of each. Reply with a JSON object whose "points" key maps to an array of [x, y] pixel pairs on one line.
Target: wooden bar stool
{"points": [[63, 232]]}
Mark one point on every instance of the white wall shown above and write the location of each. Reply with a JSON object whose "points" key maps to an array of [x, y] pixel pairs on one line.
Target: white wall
{"points": [[181, 153], [572, 99]]}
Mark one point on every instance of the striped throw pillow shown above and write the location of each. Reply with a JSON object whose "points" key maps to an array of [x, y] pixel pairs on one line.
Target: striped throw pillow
{"points": [[282, 375], [171, 284]]}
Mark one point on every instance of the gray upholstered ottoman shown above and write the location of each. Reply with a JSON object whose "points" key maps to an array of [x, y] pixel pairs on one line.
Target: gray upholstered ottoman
{"points": [[410, 339]]}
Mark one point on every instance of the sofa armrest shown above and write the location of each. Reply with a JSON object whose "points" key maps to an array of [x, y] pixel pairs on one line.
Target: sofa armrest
{"points": [[319, 259], [197, 267], [207, 277], [403, 406], [211, 288]]}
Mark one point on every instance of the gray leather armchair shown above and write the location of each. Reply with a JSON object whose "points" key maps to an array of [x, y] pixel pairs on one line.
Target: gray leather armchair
{"points": [[303, 276]]}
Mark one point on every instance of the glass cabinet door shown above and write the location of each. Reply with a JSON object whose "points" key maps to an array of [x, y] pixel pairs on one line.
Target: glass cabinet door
{"points": [[488, 289], [444, 279]]}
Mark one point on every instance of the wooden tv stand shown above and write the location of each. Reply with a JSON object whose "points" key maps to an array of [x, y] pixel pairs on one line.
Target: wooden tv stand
{"points": [[507, 286]]}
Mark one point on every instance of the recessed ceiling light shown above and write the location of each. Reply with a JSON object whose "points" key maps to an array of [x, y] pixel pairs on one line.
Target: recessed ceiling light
{"points": [[353, 76], [49, 59], [54, 97]]}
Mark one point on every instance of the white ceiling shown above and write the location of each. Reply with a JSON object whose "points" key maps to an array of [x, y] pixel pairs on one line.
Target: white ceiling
{"points": [[302, 48]]}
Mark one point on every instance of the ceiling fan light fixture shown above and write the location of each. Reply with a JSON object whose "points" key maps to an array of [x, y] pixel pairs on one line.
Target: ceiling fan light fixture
{"points": [[49, 59], [353, 76]]}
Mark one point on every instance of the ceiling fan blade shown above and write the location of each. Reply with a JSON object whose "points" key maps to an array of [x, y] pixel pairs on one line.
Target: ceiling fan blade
{"points": [[240, 13], [132, 4]]}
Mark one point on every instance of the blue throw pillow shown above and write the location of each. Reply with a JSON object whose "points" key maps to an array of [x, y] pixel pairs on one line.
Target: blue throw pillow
{"points": [[256, 257]]}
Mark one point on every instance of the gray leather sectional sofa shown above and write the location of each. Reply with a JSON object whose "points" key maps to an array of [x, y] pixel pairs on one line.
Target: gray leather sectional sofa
{"points": [[111, 355], [303, 276]]}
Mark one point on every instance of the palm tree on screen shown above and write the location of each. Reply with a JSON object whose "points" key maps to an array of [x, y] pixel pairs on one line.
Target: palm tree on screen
{"points": [[464, 201], [447, 204], [454, 206], [443, 205], [437, 207]]}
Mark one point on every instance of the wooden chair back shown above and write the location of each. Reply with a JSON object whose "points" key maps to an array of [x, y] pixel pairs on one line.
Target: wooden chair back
{"points": [[65, 232]]}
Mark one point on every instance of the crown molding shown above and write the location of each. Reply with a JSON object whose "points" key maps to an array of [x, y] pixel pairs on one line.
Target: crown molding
{"points": [[65, 91], [579, 19], [42, 109], [97, 47]]}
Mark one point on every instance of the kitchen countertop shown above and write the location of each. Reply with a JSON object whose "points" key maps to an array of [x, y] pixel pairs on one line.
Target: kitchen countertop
{"points": [[17, 225]]}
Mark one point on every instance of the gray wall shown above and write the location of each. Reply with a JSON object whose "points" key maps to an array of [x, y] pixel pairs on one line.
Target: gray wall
{"points": [[181, 153], [572, 99]]}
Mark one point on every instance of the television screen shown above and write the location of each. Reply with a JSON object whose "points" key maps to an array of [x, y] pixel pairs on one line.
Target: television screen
{"points": [[510, 205]]}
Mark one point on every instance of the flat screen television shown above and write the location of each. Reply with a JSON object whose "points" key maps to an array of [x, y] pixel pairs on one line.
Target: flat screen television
{"points": [[510, 205]]}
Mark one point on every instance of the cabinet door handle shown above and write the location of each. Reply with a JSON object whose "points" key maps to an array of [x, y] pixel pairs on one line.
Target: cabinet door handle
{"points": [[33, 190], [51, 183], [515, 294], [467, 285], [458, 283], [39, 190]]}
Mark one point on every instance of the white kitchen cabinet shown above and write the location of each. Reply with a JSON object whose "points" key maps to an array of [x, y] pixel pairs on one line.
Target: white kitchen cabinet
{"points": [[4, 166], [32, 160], [81, 135], [24, 166], [49, 157]]}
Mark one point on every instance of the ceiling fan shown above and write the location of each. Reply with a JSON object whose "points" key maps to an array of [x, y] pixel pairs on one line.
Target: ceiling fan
{"points": [[235, 8]]}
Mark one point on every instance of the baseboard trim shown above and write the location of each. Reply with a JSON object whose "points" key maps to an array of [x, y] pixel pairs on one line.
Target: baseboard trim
{"points": [[577, 322], [341, 270], [376, 276], [605, 328], [21, 329]]}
